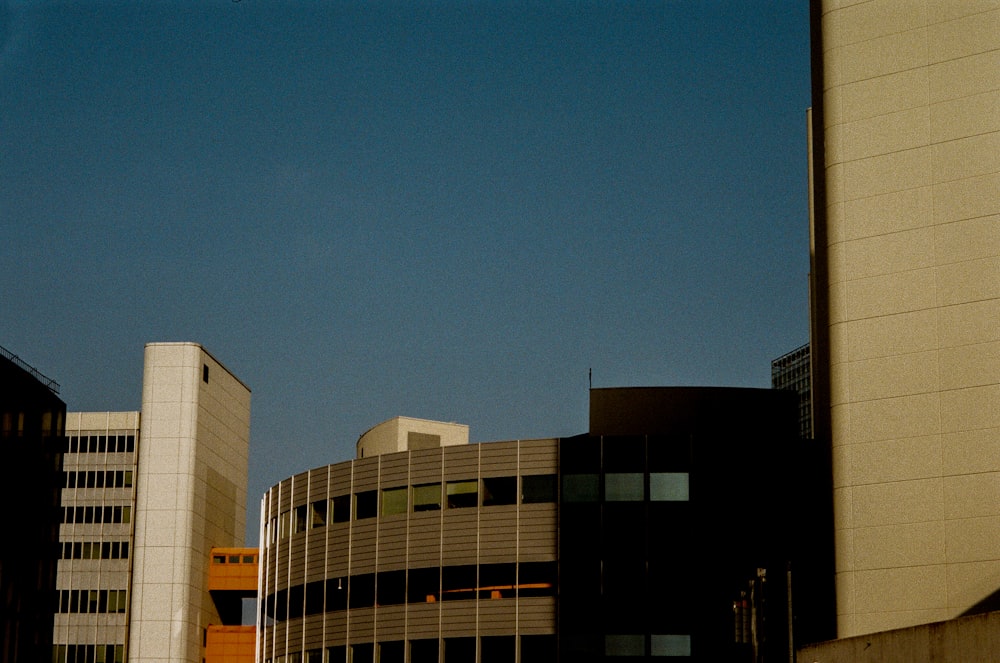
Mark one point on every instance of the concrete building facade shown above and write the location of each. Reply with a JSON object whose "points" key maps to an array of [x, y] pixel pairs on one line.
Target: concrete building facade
{"points": [[905, 130], [630, 542], [146, 497]]}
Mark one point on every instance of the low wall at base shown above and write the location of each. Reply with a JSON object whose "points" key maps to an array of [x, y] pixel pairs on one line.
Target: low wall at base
{"points": [[974, 639]]}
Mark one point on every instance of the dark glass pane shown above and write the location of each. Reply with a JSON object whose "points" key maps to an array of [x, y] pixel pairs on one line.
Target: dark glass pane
{"points": [[362, 592], [458, 582], [460, 650], [499, 490], [341, 508], [365, 504], [423, 585], [393, 651], [497, 649], [391, 588], [580, 454], [424, 651], [538, 488]]}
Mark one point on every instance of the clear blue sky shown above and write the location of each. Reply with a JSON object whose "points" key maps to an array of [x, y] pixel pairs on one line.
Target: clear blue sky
{"points": [[449, 210]]}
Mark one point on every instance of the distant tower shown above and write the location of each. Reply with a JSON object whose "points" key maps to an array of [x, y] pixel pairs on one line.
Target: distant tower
{"points": [[792, 371]]}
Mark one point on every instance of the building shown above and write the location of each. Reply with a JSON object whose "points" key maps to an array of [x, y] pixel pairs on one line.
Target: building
{"points": [[147, 496], [632, 540], [32, 420], [793, 371], [905, 160]]}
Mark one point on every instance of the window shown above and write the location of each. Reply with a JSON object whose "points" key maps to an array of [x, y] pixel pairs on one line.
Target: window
{"points": [[204, 373], [668, 487], [424, 651], [423, 585], [624, 487], [624, 645], [463, 494], [341, 508], [363, 653], [313, 656], [581, 487], [299, 518], [336, 654], [538, 488], [391, 652], [365, 504], [498, 491], [390, 587], [460, 650], [394, 501], [317, 514], [670, 645], [458, 582], [427, 497], [497, 648]]}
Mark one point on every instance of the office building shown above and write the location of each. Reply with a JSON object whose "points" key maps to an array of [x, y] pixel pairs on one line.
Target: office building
{"points": [[32, 419], [147, 496], [905, 159], [633, 540], [793, 371]]}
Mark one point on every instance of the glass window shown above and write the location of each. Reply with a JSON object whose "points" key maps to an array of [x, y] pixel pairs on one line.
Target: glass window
{"points": [[581, 487], [538, 648], [363, 653], [317, 514], [423, 585], [299, 518], [624, 645], [336, 654], [538, 488], [341, 508], [463, 494], [390, 588], [424, 651], [497, 648], [458, 582], [668, 487], [365, 504], [392, 651], [283, 525], [498, 491], [394, 501], [460, 650], [624, 487], [427, 497], [314, 656], [670, 645]]}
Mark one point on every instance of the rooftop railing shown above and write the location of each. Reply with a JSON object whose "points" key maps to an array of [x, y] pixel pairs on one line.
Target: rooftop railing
{"points": [[48, 382]]}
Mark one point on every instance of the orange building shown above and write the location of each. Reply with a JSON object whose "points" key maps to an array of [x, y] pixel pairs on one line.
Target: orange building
{"points": [[232, 577]]}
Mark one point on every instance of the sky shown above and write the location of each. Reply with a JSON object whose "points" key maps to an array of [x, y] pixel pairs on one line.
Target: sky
{"points": [[455, 210]]}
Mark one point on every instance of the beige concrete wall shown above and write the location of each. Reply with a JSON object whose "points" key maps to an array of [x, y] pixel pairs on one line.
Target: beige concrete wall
{"points": [[964, 640], [191, 496], [911, 106], [394, 435]]}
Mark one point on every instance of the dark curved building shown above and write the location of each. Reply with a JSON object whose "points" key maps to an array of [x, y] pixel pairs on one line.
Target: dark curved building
{"points": [[635, 540]]}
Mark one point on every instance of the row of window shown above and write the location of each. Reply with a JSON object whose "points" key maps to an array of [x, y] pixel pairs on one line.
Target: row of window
{"points": [[422, 585], [469, 493], [100, 443], [93, 600], [88, 654], [626, 487], [97, 514], [234, 559], [99, 479], [95, 550], [492, 649]]}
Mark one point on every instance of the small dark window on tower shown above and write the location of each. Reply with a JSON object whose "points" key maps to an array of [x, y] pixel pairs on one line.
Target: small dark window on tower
{"points": [[204, 372]]}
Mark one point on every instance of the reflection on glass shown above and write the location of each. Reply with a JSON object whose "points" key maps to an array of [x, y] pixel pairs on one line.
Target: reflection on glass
{"points": [[623, 488], [668, 487]]}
